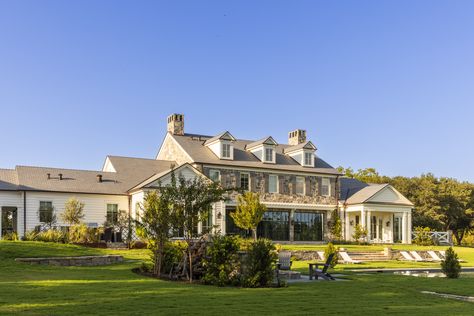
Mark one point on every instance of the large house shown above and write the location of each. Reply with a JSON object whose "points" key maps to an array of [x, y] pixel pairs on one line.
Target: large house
{"points": [[300, 190]]}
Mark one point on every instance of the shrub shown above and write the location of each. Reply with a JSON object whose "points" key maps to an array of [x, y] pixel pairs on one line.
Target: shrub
{"points": [[221, 263], [51, 235], [173, 253], [81, 234], [13, 236], [423, 236], [360, 232], [450, 266], [259, 264], [30, 235], [331, 249], [138, 244], [244, 243]]}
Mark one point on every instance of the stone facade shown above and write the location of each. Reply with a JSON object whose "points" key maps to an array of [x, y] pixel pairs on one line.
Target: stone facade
{"points": [[171, 151], [74, 261], [286, 186]]}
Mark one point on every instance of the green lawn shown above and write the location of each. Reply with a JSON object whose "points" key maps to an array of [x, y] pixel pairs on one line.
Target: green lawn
{"points": [[115, 290]]}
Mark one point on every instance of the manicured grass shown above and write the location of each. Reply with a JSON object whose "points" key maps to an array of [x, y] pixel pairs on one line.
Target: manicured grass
{"points": [[115, 290]]}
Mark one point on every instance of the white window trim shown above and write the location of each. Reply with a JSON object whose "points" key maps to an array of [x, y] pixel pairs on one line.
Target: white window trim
{"points": [[311, 163], [304, 186], [222, 151], [264, 154], [240, 179], [277, 183], [328, 185]]}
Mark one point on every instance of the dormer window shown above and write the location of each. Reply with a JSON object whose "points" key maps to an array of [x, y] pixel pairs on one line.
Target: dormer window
{"points": [[302, 153], [222, 145], [264, 149], [226, 150], [268, 154], [308, 158]]}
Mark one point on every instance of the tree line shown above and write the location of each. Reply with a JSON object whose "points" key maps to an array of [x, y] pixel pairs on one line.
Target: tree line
{"points": [[440, 203]]}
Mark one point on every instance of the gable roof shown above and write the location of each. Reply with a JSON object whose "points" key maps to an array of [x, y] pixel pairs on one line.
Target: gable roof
{"points": [[129, 172], [164, 173], [357, 192], [306, 145], [264, 141], [193, 145], [224, 135]]}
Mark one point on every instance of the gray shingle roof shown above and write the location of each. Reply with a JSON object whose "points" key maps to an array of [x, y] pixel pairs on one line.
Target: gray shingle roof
{"points": [[8, 179], [129, 172], [193, 145], [219, 136], [308, 144], [357, 192], [266, 140]]}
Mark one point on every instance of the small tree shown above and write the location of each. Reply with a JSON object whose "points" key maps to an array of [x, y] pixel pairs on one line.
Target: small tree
{"points": [[450, 266], [192, 200], [249, 212], [335, 226], [360, 232], [155, 224], [423, 236], [331, 249], [73, 212]]}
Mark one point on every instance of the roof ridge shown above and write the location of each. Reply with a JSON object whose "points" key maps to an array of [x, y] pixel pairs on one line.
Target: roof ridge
{"points": [[67, 169]]}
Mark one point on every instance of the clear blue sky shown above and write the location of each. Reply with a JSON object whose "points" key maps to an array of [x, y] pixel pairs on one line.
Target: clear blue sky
{"points": [[384, 84]]}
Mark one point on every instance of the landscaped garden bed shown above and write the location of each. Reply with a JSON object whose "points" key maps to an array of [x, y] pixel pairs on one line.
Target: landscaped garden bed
{"points": [[74, 261]]}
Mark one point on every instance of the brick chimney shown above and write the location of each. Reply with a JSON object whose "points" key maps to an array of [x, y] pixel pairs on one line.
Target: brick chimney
{"points": [[176, 124], [296, 137]]}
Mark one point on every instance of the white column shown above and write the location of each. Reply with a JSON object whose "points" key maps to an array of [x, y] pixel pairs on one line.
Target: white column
{"points": [[409, 228], [369, 226], [404, 228]]}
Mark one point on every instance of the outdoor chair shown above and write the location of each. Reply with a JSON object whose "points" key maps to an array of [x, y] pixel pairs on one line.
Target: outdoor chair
{"points": [[443, 255], [407, 256], [434, 255], [417, 256], [347, 259], [316, 272], [284, 260]]}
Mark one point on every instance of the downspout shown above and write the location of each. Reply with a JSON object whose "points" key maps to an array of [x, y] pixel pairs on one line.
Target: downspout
{"points": [[24, 214], [129, 240]]}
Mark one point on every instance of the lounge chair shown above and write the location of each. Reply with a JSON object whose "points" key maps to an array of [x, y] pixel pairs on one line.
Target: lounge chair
{"points": [[407, 256], [284, 260], [434, 256], [347, 259], [443, 255], [321, 255], [316, 272], [417, 256]]}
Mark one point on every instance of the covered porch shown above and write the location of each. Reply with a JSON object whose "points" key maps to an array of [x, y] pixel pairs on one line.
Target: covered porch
{"points": [[384, 224]]}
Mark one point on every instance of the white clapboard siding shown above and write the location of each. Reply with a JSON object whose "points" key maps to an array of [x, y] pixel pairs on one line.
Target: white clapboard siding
{"points": [[95, 206], [13, 199]]}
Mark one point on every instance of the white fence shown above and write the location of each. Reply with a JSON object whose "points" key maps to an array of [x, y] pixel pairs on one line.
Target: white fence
{"points": [[442, 238]]}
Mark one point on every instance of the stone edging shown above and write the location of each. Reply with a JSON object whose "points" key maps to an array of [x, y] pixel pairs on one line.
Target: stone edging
{"points": [[74, 261]]}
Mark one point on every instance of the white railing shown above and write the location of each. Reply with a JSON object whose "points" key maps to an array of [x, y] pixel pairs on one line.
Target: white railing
{"points": [[440, 237]]}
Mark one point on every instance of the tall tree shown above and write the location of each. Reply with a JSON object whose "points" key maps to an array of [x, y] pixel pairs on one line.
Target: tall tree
{"points": [[249, 212]]}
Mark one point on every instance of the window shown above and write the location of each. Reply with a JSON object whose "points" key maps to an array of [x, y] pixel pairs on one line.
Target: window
{"points": [[269, 154], [112, 213], [299, 188], [308, 226], [225, 150], [275, 225], [357, 220], [326, 187], [245, 181], [308, 159], [46, 211], [272, 184], [215, 175]]}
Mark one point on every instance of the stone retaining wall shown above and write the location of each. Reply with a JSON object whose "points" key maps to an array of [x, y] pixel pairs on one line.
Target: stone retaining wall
{"points": [[74, 261]]}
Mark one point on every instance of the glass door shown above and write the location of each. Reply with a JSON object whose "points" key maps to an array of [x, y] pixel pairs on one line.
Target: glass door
{"points": [[9, 220], [397, 229]]}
